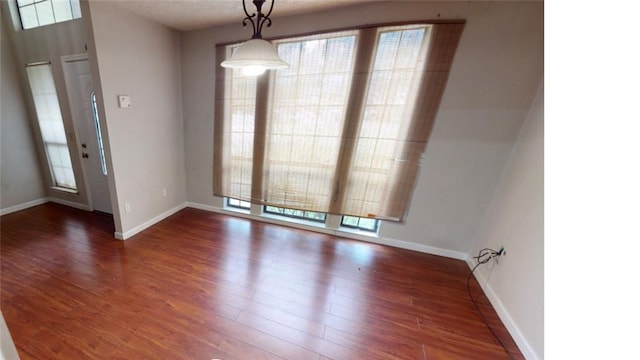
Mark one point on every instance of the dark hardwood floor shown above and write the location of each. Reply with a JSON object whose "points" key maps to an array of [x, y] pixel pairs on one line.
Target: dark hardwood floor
{"points": [[201, 285]]}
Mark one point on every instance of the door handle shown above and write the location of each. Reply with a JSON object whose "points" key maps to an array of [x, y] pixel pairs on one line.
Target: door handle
{"points": [[85, 155]]}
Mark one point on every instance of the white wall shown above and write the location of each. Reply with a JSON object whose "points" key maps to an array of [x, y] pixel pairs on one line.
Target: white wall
{"points": [[145, 143], [20, 172], [8, 349], [515, 220], [493, 81], [49, 43], [464, 199]]}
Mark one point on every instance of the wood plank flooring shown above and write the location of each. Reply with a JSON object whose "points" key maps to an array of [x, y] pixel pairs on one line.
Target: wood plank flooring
{"points": [[201, 285]]}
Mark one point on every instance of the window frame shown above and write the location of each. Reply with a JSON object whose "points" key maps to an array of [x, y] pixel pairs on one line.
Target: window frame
{"points": [[34, 3], [57, 113], [331, 222], [419, 126], [303, 217], [96, 120], [358, 227], [228, 204]]}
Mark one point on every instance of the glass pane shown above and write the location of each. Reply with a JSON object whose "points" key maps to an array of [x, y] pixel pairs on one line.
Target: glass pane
{"points": [[360, 223], [45, 13], [369, 224], [69, 180], [53, 153], [29, 17], [388, 109], [273, 209], [96, 120], [50, 123], [75, 9], [60, 163], [240, 118], [238, 203], [350, 221], [294, 213], [306, 119], [315, 215], [62, 10], [297, 214]]}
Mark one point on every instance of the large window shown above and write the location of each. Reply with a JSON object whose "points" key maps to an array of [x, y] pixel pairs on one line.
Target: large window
{"points": [[34, 13], [342, 130], [50, 123]]}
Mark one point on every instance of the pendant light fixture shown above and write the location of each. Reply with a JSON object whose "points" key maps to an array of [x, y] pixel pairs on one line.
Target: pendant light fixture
{"points": [[256, 56]]}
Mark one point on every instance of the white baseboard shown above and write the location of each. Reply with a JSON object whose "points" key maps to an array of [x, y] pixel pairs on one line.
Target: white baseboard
{"points": [[413, 246], [131, 232], [41, 201], [341, 233], [28, 204], [204, 207], [504, 315], [7, 347], [69, 203], [270, 220]]}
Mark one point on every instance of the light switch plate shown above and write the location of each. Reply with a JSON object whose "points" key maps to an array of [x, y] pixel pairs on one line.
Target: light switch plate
{"points": [[124, 101]]}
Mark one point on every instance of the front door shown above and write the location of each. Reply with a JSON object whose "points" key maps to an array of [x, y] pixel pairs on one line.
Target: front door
{"points": [[85, 116]]}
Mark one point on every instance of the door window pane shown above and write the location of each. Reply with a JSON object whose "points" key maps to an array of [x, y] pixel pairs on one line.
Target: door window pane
{"points": [[96, 121]]}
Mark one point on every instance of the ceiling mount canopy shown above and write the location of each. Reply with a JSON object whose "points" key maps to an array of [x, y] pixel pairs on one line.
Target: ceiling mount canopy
{"points": [[256, 56]]}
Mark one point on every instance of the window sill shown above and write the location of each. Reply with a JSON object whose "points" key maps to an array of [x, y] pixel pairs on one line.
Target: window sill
{"points": [[237, 210], [63, 189]]}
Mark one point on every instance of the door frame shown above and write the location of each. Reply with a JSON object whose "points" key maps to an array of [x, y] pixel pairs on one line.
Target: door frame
{"points": [[66, 59]]}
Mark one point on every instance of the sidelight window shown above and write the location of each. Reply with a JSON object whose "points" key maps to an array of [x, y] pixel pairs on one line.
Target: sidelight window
{"points": [[45, 99]]}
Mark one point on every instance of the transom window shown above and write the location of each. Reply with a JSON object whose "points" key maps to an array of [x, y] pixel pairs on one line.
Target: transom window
{"points": [[35, 13]]}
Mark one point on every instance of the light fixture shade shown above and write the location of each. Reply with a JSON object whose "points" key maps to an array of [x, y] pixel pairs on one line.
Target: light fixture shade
{"points": [[255, 53]]}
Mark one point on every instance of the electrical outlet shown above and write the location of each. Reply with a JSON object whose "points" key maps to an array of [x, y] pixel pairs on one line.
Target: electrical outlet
{"points": [[502, 252], [164, 192], [127, 208]]}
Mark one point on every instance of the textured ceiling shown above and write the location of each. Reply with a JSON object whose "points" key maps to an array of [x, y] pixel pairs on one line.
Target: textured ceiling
{"points": [[198, 14]]}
